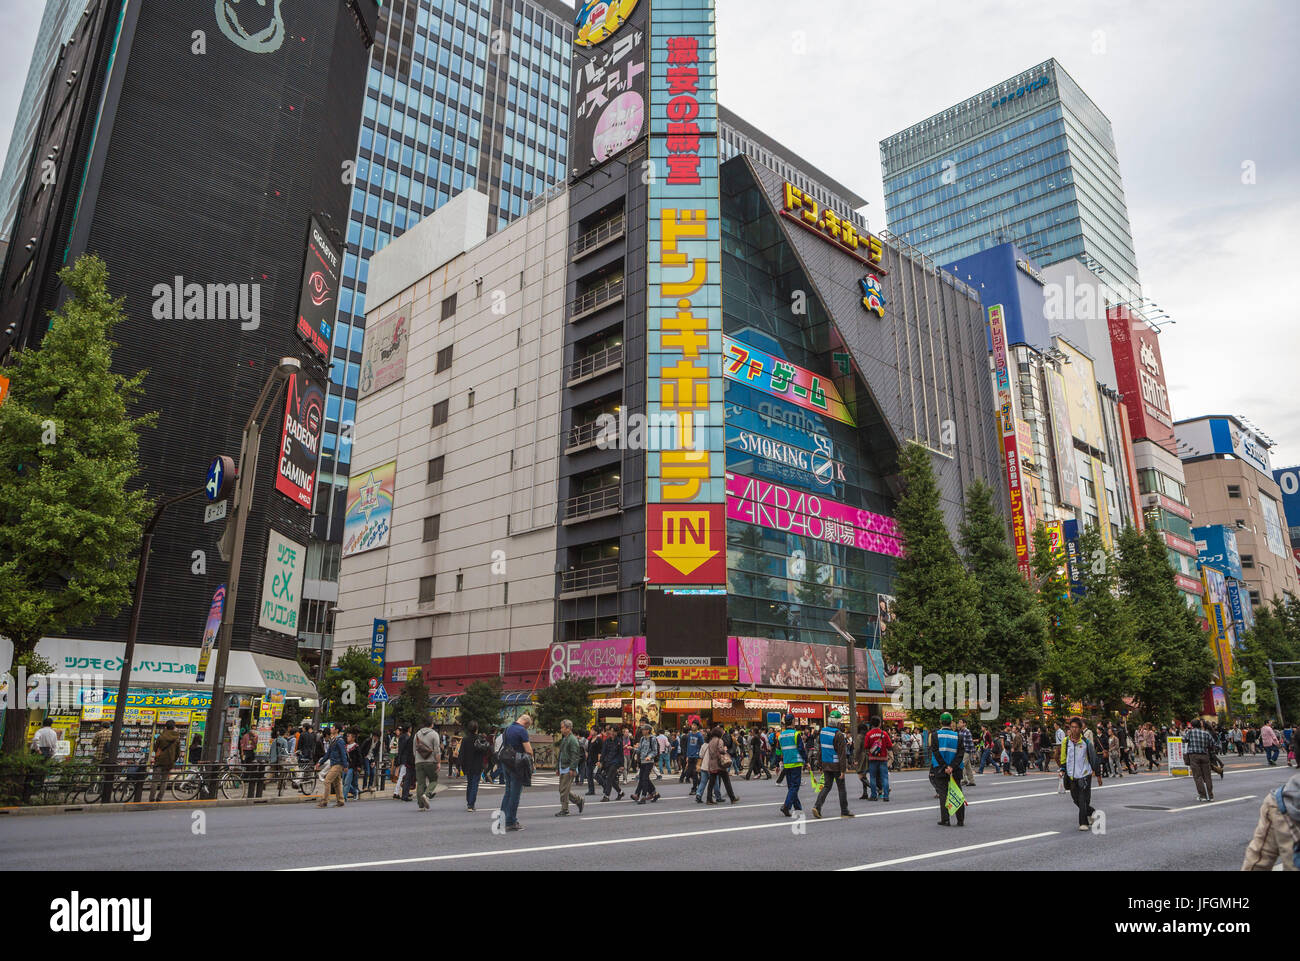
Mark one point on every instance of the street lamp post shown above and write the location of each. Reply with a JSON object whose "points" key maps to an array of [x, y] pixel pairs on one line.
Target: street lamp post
{"points": [[332, 613], [248, 450], [137, 604]]}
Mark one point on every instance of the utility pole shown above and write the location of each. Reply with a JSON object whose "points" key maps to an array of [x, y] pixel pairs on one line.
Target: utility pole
{"points": [[235, 529], [1277, 700], [837, 622]]}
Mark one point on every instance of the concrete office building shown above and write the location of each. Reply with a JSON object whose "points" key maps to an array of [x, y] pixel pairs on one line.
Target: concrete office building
{"points": [[467, 409], [1230, 482], [1031, 160], [709, 515]]}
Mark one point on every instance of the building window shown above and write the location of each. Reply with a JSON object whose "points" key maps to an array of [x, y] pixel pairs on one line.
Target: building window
{"points": [[428, 588], [506, 597], [423, 650], [1234, 490], [440, 412], [1241, 525], [436, 467], [1254, 598], [460, 580], [1247, 562], [444, 360], [432, 527], [471, 397], [448, 306]]}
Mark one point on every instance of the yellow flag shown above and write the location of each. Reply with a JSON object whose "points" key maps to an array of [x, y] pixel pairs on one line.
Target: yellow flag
{"points": [[955, 798]]}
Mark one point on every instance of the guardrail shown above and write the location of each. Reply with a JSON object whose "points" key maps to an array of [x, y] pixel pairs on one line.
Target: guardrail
{"points": [[595, 298], [593, 578], [593, 502], [596, 363], [598, 235]]}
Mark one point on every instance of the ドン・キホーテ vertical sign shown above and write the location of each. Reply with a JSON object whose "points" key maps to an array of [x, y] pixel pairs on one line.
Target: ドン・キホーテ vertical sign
{"points": [[685, 497]]}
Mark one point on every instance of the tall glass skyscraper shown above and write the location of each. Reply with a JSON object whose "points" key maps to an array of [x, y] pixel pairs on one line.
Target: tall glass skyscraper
{"points": [[462, 95], [1031, 160], [57, 24]]}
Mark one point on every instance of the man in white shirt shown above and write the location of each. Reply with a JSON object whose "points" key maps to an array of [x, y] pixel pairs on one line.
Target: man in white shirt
{"points": [[663, 760], [46, 741], [1078, 760]]}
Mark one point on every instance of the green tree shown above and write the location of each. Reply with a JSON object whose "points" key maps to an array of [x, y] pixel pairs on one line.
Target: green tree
{"points": [[1109, 661], [482, 702], [1275, 637], [938, 616], [1014, 625], [1048, 568], [412, 704], [70, 524], [1167, 630], [568, 698], [344, 690]]}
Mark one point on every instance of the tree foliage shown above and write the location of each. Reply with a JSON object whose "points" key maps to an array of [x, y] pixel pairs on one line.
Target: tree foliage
{"points": [[345, 690], [482, 702], [70, 522], [1013, 623], [412, 704], [567, 698], [938, 616], [1167, 631], [1105, 658], [1275, 637]]}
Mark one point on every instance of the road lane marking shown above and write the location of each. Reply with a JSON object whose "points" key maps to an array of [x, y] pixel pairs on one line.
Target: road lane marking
{"points": [[939, 854], [1201, 805]]}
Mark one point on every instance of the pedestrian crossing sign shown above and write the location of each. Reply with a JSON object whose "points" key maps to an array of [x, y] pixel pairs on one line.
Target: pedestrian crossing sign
{"points": [[379, 695]]}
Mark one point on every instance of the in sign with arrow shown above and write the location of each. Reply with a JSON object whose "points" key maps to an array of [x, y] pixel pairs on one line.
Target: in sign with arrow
{"points": [[686, 544]]}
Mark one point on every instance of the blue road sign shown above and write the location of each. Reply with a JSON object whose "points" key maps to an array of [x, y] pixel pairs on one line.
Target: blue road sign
{"points": [[220, 474], [379, 695]]}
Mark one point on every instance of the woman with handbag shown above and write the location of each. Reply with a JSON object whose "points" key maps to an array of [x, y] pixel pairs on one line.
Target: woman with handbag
{"points": [[720, 763]]}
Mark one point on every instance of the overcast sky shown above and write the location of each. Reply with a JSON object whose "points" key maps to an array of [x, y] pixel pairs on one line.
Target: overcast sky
{"points": [[1194, 89]]}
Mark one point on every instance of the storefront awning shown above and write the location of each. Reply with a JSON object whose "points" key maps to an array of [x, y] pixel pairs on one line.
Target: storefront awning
{"points": [[170, 666], [509, 698]]}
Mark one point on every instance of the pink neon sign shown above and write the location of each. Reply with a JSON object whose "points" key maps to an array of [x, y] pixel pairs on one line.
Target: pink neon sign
{"points": [[796, 512]]}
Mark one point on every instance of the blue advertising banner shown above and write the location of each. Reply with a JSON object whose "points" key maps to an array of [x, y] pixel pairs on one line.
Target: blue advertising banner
{"points": [[1238, 609], [379, 643], [1216, 546]]}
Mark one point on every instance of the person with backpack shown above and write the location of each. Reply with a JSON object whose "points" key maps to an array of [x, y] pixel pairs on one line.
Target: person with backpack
{"points": [[426, 746], [1277, 835], [474, 750], [876, 745], [647, 756], [515, 761]]}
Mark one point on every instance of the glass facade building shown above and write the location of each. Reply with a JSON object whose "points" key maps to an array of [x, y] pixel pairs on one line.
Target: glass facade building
{"points": [[461, 95], [57, 24], [1031, 160], [785, 583]]}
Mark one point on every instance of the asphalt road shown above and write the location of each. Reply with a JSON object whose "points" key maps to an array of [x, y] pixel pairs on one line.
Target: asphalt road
{"points": [[1152, 823]]}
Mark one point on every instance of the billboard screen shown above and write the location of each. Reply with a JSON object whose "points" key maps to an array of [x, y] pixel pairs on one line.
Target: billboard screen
{"points": [[1140, 377], [608, 110], [304, 416], [780, 378], [1081, 396], [368, 521], [1067, 471], [318, 299], [684, 478], [1273, 533], [383, 361]]}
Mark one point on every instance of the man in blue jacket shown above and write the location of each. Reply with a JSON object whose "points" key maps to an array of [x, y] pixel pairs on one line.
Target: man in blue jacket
{"points": [[946, 759], [336, 761], [694, 740]]}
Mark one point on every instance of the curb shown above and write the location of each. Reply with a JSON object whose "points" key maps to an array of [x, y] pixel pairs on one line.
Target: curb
{"points": [[42, 810]]}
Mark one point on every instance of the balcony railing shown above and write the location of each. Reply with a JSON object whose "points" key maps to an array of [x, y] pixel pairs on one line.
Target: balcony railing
{"points": [[593, 502], [584, 435], [597, 363], [600, 234], [596, 298], [597, 577]]}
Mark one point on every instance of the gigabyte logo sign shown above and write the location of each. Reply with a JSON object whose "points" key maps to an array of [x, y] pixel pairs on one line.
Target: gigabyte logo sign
{"points": [[78, 915]]}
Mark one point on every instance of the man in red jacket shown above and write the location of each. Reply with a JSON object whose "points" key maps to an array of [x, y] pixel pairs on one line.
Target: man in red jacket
{"points": [[876, 746]]}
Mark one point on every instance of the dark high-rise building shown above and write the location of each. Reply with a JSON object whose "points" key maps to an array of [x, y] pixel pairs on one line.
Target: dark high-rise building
{"points": [[195, 144]]}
